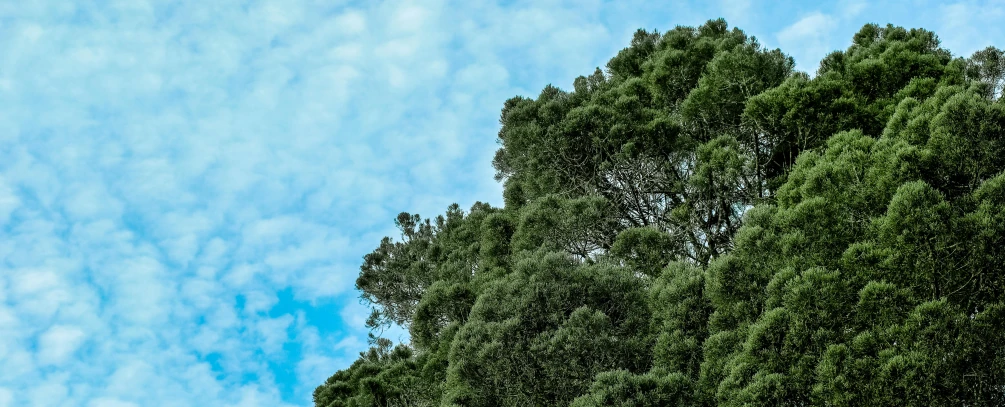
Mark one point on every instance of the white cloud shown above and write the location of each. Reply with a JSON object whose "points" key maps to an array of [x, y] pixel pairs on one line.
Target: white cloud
{"points": [[8, 202], [110, 402], [969, 26], [39, 293], [808, 40], [6, 397], [58, 343], [736, 12], [48, 393], [355, 314], [408, 18], [274, 333], [350, 22], [851, 8]]}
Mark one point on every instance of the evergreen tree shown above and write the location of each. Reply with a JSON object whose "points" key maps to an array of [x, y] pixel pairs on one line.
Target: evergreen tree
{"points": [[699, 225]]}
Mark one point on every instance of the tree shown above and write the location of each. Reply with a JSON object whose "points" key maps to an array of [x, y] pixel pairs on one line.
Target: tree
{"points": [[383, 376], [855, 89], [658, 136], [538, 336], [987, 66], [698, 225], [897, 220]]}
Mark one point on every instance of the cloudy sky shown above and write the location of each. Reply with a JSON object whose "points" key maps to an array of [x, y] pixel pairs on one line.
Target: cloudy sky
{"points": [[187, 188]]}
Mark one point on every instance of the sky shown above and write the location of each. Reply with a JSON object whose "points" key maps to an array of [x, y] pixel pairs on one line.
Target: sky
{"points": [[187, 188]]}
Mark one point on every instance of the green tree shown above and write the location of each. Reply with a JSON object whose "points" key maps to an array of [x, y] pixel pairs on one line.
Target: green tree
{"points": [[987, 66], [658, 135], [382, 376], [698, 225], [538, 336], [855, 89], [896, 220]]}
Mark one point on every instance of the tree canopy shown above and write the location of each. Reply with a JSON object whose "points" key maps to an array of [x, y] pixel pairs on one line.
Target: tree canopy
{"points": [[700, 225]]}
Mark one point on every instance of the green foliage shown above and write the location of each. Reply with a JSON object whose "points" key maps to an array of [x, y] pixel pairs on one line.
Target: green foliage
{"points": [[659, 137], [580, 226], [855, 89], [624, 389], [381, 377], [644, 249], [894, 220], [987, 67], [539, 335], [680, 316], [697, 225]]}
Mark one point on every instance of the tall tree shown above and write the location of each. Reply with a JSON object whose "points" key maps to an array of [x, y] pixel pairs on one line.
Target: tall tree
{"points": [[875, 293], [658, 135], [698, 225]]}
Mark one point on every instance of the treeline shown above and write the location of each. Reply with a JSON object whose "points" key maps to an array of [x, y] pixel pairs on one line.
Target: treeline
{"points": [[701, 225]]}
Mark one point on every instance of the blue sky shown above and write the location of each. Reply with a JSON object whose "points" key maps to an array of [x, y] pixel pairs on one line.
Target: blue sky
{"points": [[187, 188]]}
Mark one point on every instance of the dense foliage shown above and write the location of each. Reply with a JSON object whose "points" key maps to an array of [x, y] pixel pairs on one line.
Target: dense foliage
{"points": [[701, 225]]}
